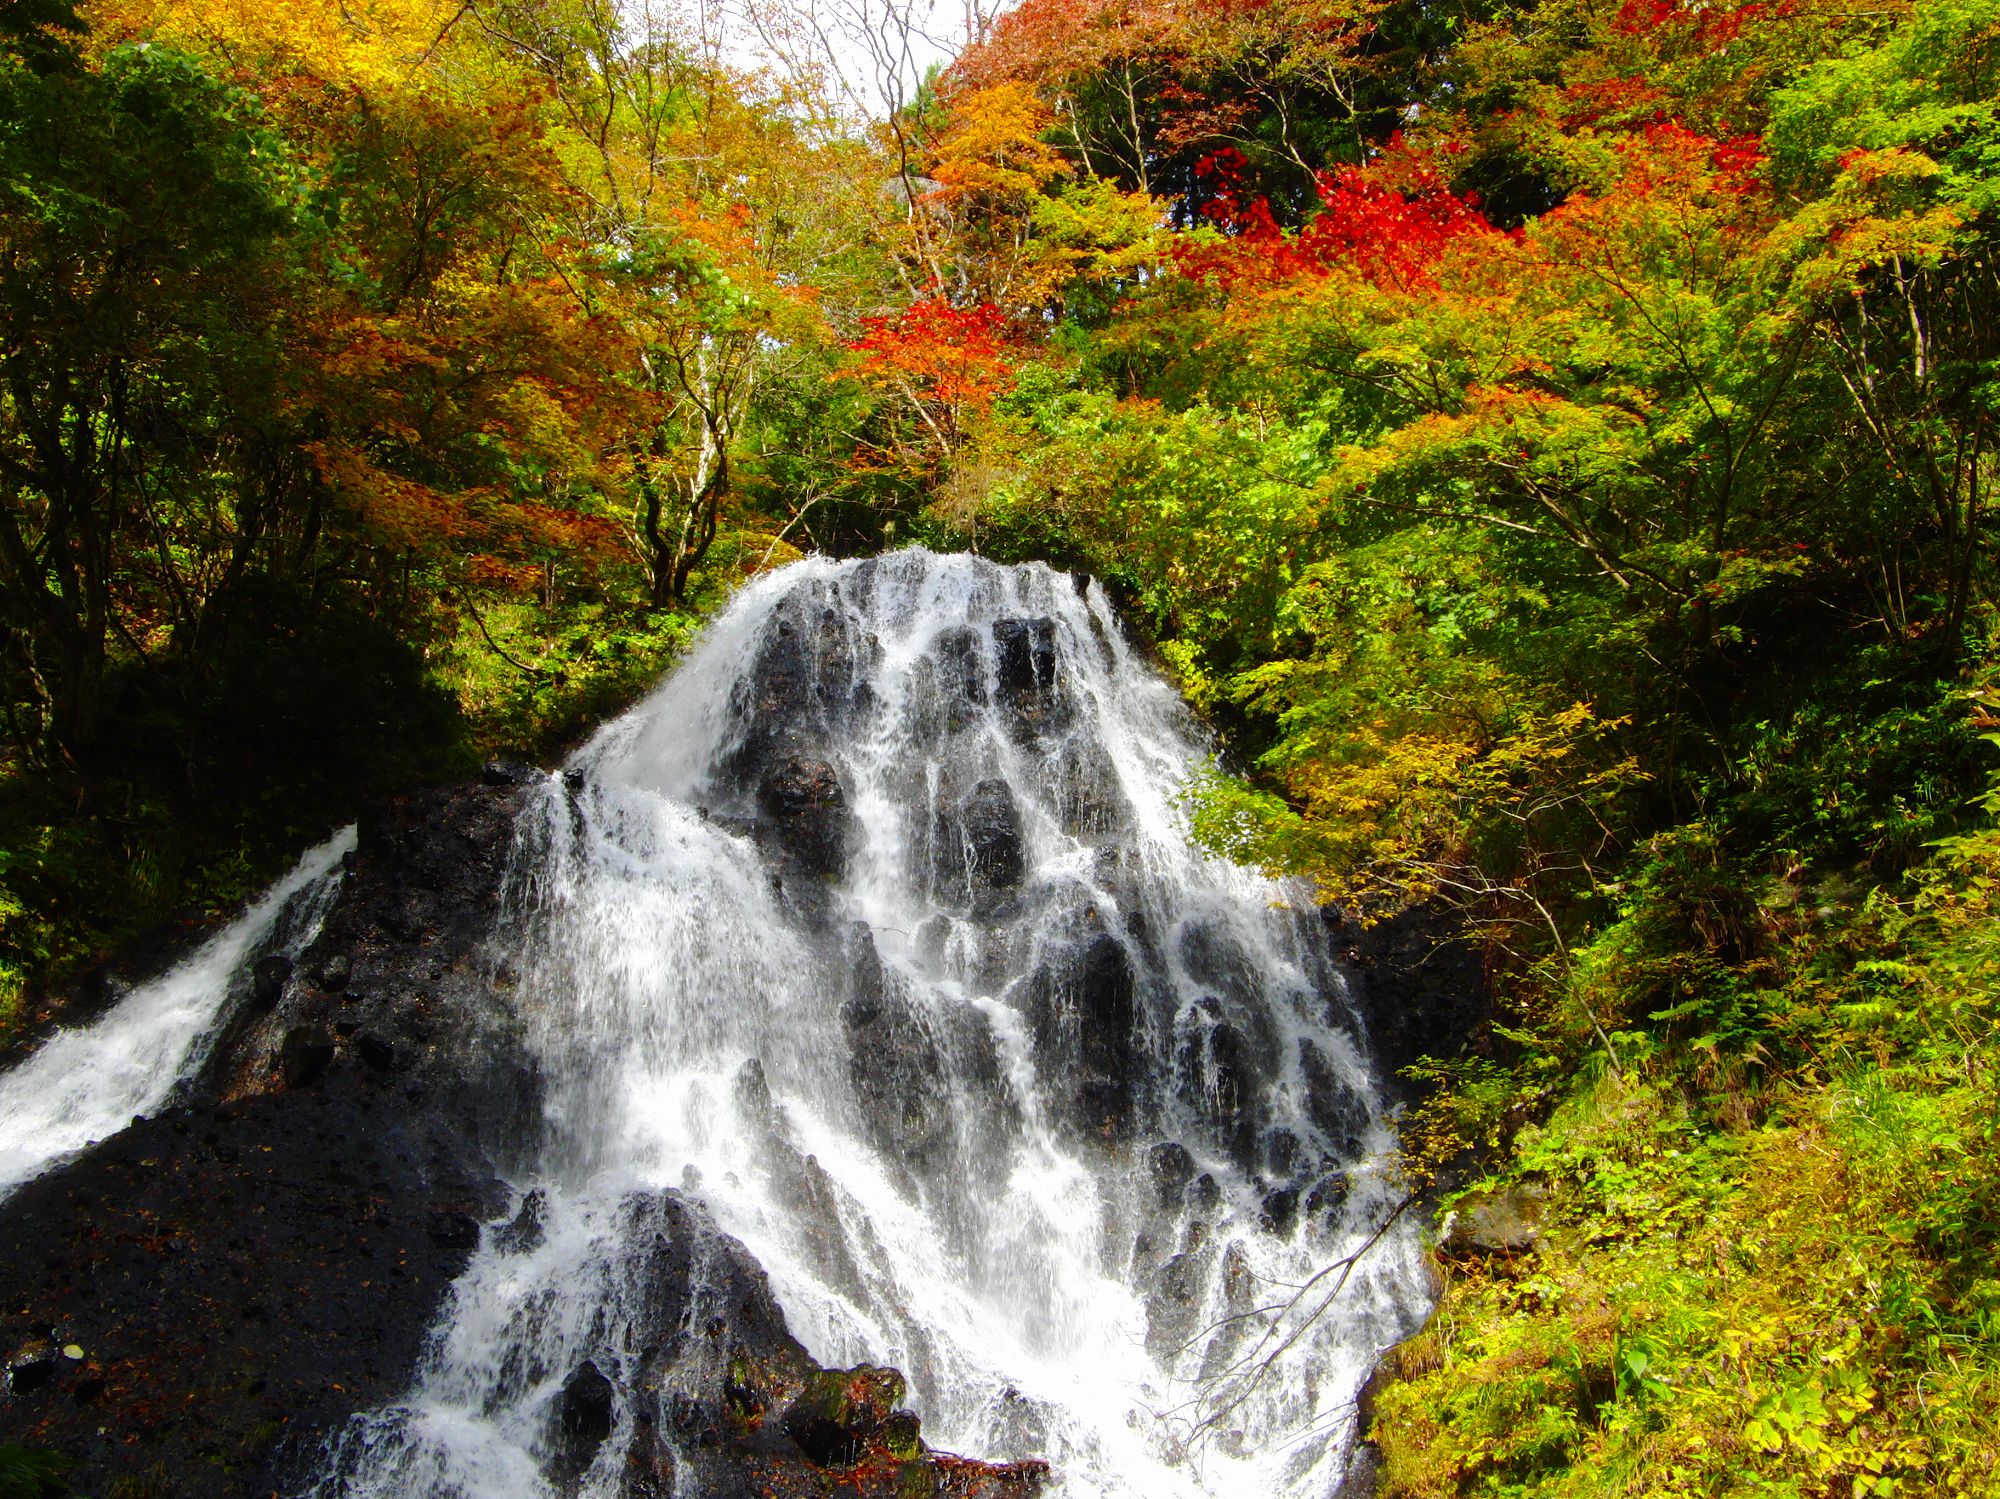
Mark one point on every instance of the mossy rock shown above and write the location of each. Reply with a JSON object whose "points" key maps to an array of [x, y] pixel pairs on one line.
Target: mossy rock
{"points": [[841, 1411]]}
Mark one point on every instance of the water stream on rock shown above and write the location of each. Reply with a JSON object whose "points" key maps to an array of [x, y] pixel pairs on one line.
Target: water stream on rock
{"points": [[86, 1083], [875, 934]]}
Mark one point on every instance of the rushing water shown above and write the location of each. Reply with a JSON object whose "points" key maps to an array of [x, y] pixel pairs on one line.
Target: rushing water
{"points": [[876, 932], [86, 1083]]}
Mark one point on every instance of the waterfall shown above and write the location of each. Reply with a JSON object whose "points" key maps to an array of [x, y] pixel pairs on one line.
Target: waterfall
{"points": [[84, 1084], [874, 940]]}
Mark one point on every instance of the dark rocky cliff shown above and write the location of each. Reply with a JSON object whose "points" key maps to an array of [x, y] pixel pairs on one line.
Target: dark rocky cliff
{"points": [[243, 1272]]}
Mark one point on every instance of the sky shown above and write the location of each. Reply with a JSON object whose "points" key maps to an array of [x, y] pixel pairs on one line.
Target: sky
{"points": [[876, 50]]}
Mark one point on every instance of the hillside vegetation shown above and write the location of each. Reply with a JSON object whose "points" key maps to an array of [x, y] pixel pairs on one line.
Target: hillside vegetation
{"points": [[1554, 442]]}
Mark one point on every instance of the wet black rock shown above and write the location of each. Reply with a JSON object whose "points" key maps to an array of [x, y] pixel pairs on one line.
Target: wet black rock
{"points": [[1171, 1169], [1279, 1211], [584, 1414], [334, 972], [32, 1366], [865, 978], [1083, 1004], [1173, 1310], [994, 856], [1203, 1195], [1327, 1199], [649, 1465], [1420, 985], [1217, 1079], [268, 978], [958, 675], [896, 1079], [507, 773], [1333, 1105], [1026, 667], [1090, 803], [807, 806], [1283, 1153], [1216, 961], [524, 1232]]}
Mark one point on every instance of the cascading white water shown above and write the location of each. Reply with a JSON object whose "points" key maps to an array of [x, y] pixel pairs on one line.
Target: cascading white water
{"points": [[84, 1084], [877, 932]]}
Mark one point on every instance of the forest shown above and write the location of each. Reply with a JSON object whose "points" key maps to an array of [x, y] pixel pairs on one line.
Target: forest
{"points": [[1549, 441]]}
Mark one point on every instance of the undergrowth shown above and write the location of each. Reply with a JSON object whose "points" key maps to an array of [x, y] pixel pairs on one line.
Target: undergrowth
{"points": [[1767, 1260]]}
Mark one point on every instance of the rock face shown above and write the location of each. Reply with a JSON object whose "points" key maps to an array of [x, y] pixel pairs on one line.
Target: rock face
{"points": [[1422, 988], [807, 807], [245, 1269], [244, 1272]]}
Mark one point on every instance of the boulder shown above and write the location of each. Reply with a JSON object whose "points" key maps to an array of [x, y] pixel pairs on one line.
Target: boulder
{"points": [[268, 978], [583, 1417], [1494, 1220], [841, 1411], [808, 813], [1083, 1004], [994, 856], [304, 1054], [1026, 668]]}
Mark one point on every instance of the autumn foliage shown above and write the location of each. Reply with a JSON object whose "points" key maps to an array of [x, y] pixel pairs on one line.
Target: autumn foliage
{"points": [[1391, 221], [948, 355]]}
